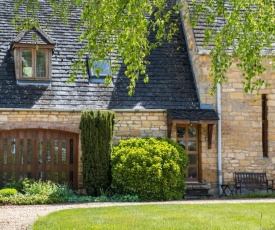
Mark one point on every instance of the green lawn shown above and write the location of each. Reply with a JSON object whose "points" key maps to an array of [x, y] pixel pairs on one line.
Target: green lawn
{"points": [[165, 216]]}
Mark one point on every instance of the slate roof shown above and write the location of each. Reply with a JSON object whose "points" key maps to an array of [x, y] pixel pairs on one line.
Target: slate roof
{"points": [[196, 115], [171, 84], [218, 24], [200, 28], [41, 37]]}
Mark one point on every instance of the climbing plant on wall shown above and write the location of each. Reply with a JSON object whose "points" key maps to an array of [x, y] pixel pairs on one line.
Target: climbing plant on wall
{"points": [[97, 129]]}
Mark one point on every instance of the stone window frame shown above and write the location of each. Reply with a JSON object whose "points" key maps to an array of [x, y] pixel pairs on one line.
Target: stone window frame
{"points": [[17, 53]]}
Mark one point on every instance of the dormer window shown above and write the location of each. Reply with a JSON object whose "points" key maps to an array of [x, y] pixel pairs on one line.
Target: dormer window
{"points": [[98, 70], [34, 63], [33, 58]]}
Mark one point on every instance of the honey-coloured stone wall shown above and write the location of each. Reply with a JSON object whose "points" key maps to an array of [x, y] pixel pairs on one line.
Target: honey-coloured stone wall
{"points": [[241, 119], [140, 124], [152, 123]]}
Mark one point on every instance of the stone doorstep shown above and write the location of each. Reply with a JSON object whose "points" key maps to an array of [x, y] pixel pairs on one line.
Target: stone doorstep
{"points": [[197, 190], [197, 185]]}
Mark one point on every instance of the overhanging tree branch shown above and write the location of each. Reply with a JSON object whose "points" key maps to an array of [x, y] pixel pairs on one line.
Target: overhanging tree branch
{"points": [[125, 32]]}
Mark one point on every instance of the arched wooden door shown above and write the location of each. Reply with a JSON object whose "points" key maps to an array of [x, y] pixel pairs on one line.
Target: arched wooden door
{"points": [[39, 154]]}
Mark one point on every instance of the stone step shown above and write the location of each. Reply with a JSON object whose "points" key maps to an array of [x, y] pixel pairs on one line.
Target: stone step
{"points": [[197, 193]]}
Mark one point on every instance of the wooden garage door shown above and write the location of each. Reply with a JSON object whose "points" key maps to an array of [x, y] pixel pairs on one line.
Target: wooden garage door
{"points": [[39, 154]]}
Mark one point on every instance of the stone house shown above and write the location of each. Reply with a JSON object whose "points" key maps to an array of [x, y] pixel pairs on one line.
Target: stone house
{"points": [[40, 112], [244, 139]]}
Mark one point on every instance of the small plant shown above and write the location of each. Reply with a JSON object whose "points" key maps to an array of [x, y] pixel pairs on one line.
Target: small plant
{"points": [[20, 184], [6, 192], [39, 192], [21, 199]]}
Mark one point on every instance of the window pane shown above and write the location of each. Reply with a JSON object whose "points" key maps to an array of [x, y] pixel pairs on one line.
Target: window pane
{"points": [[64, 151], [181, 132], [26, 63], [48, 151], [182, 143], [5, 178], [63, 177], [21, 147], [40, 175], [5, 149], [40, 152], [192, 158], [56, 151], [13, 150], [21, 176], [102, 67], [71, 151], [29, 150], [192, 146], [192, 132], [55, 176], [40, 63], [192, 172], [48, 176]]}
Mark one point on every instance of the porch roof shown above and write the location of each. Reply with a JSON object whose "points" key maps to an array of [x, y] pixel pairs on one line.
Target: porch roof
{"points": [[192, 116]]}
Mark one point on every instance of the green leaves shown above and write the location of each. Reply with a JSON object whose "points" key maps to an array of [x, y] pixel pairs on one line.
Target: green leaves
{"points": [[151, 168], [237, 29], [118, 28]]}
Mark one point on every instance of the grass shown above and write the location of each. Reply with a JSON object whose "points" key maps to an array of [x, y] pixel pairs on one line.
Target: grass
{"points": [[252, 195], [164, 216]]}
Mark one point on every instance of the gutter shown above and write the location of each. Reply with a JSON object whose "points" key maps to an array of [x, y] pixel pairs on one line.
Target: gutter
{"points": [[76, 110], [220, 179]]}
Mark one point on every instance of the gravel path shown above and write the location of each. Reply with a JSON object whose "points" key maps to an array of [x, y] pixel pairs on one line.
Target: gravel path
{"points": [[22, 217]]}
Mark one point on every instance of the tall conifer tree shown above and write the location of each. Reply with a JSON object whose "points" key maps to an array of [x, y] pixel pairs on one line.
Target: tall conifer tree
{"points": [[97, 129]]}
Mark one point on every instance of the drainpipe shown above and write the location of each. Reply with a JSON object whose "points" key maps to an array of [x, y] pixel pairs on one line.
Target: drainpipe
{"points": [[219, 137]]}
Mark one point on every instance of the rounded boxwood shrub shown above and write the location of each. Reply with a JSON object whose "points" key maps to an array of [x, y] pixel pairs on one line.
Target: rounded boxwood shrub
{"points": [[6, 192], [150, 168]]}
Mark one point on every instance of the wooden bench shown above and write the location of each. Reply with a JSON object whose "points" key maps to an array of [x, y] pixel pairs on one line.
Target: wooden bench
{"points": [[250, 180]]}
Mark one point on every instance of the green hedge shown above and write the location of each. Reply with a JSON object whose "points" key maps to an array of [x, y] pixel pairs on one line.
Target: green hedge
{"points": [[151, 168], [97, 129]]}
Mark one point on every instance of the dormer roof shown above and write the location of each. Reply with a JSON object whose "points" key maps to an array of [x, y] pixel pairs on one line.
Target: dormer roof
{"points": [[35, 36]]}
